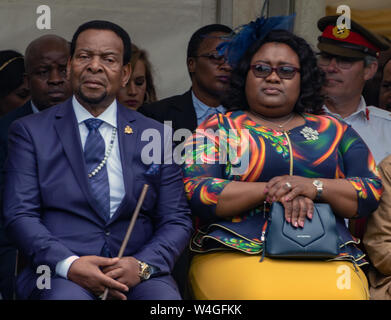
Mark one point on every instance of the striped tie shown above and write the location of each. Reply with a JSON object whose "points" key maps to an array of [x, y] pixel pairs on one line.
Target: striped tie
{"points": [[94, 152]]}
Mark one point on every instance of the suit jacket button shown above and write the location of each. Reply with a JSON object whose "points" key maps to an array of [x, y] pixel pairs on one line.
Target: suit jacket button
{"points": [[107, 233]]}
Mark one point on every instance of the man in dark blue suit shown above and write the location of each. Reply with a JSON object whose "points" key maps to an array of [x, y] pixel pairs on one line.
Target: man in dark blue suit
{"points": [[73, 176], [46, 60]]}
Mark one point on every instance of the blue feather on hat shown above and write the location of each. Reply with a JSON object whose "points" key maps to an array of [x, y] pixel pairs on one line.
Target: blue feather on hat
{"points": [[246, 35]]}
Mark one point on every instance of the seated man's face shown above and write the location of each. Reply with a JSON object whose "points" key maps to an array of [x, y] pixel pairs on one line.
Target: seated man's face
{"points": [[209, 71], [385, 88], [96, 69], [344, 76], [47, 76]]}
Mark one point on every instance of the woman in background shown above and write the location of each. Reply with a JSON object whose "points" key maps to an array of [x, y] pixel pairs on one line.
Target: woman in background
{"points": [[13, 89], [140, 88], [385, 85]]}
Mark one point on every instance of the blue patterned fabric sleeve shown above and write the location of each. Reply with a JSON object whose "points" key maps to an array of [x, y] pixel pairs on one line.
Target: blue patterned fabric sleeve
{"points": [[359, 168], [203, 175]]}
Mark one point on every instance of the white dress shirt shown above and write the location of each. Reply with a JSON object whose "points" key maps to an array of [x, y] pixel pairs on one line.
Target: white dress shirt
{"points": [[374, 126], [114, 166], [34, 107]]}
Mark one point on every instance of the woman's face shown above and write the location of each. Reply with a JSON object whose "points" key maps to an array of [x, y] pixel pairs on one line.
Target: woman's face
{"points": [[273, 96], [132, 96], [14, 99], [385, 88]]}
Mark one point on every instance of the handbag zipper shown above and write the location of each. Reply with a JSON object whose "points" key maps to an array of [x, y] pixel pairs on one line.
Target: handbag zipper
{"points": [[264, 231]]}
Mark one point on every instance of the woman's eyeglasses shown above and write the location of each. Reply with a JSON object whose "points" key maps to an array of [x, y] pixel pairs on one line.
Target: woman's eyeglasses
{"points": [[264, 70], [213, 57], [324, 60]]}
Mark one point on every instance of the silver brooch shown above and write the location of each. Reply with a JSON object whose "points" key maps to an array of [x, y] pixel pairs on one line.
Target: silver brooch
{"points": [[309, 133]]}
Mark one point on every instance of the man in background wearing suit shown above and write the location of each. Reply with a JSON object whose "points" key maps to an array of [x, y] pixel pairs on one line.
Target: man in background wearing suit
{"points": [[209, 75], [45, 64], [73, 177]]}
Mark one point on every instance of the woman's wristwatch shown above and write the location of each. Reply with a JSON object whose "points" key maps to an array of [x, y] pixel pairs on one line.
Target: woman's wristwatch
{"points": [[319, 189], [145, 270]]}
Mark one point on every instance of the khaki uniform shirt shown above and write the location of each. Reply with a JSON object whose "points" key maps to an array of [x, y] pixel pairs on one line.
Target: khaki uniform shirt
{"points": [[377, 239]]}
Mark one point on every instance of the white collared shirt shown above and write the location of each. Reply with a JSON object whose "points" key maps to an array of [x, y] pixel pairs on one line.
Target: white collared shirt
{"points": [[374, 126], [114, 166], [34, 107]]}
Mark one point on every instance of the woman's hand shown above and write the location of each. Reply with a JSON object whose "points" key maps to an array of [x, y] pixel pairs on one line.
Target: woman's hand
{"points": [[287, 188], [297, 210]]}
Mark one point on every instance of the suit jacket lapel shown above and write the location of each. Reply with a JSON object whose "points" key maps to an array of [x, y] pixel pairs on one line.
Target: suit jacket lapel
{"points": [[68, 132], [188, 117], [128, 136]]}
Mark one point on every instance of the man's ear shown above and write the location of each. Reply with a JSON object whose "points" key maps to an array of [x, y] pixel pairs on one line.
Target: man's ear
{"points": [[69, 69], [26, 81], [126, 73], [191, 64], [370, 71]]}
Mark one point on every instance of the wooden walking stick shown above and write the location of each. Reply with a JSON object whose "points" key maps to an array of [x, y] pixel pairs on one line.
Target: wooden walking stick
{"points": [[130, 228]]}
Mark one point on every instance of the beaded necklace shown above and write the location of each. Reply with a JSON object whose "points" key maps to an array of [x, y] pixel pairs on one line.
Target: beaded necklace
{"points": [[103, 162]]}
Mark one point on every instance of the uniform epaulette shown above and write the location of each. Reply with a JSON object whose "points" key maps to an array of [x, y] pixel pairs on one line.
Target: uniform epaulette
{"points": [[380, 113]]}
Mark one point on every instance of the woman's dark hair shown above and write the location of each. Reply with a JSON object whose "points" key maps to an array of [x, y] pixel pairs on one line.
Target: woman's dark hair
{"points": [[11, 71], [310, 100], [371, 89], [105, 25]]}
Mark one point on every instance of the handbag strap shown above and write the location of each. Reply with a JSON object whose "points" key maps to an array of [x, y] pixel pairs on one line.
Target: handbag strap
{"points": [[264, 233]]}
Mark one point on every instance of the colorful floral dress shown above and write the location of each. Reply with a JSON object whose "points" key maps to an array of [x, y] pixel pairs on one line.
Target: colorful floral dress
{"points": [[232, 147]]}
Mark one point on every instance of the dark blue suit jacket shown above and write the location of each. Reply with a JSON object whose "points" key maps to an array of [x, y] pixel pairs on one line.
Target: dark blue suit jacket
{"points": [[7, 250], [5, 123], [48, 208]]}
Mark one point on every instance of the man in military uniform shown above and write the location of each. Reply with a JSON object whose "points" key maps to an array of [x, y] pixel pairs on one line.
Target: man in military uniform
{"points": [[349, 59]]}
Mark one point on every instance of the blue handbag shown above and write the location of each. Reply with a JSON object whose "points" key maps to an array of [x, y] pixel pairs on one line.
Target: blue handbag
{"points": [[318, 239]]}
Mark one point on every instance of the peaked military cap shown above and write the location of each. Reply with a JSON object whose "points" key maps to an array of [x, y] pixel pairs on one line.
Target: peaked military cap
{"points": [[356, 42]]}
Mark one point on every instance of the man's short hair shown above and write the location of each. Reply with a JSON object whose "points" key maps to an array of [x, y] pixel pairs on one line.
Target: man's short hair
{"points": [[198, 36], [105, 25], [368, 60]]}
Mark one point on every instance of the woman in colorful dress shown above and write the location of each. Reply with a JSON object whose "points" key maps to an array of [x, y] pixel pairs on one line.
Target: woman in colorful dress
{"points": [[274, 144]]}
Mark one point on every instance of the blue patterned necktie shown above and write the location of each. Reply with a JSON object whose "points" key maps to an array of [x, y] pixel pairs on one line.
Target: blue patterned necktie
{"points": [[94, 152]]}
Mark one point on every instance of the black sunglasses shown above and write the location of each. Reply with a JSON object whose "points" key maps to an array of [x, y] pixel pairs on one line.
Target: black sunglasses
{"points": [[213, 57], [264, 70]]}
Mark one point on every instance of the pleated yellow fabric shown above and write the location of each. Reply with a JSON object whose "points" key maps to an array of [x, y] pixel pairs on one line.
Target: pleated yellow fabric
{"points": [[237, 276]]}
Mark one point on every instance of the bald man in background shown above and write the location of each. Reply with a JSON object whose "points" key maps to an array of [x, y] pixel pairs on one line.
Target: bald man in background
{"points": [[45, 63]]}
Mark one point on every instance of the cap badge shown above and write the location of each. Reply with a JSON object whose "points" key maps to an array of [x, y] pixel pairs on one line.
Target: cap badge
{"points": [[341, 33]]}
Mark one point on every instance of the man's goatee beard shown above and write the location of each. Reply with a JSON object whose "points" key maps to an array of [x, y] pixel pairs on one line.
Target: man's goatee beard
{"points": [[92, 100]]}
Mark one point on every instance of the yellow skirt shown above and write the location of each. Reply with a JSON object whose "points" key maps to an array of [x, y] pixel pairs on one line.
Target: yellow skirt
{"points": [[237, 276]]}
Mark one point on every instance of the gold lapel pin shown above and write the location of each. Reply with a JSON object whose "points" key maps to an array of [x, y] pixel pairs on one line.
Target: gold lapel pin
{"points": [[128, 130]]}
